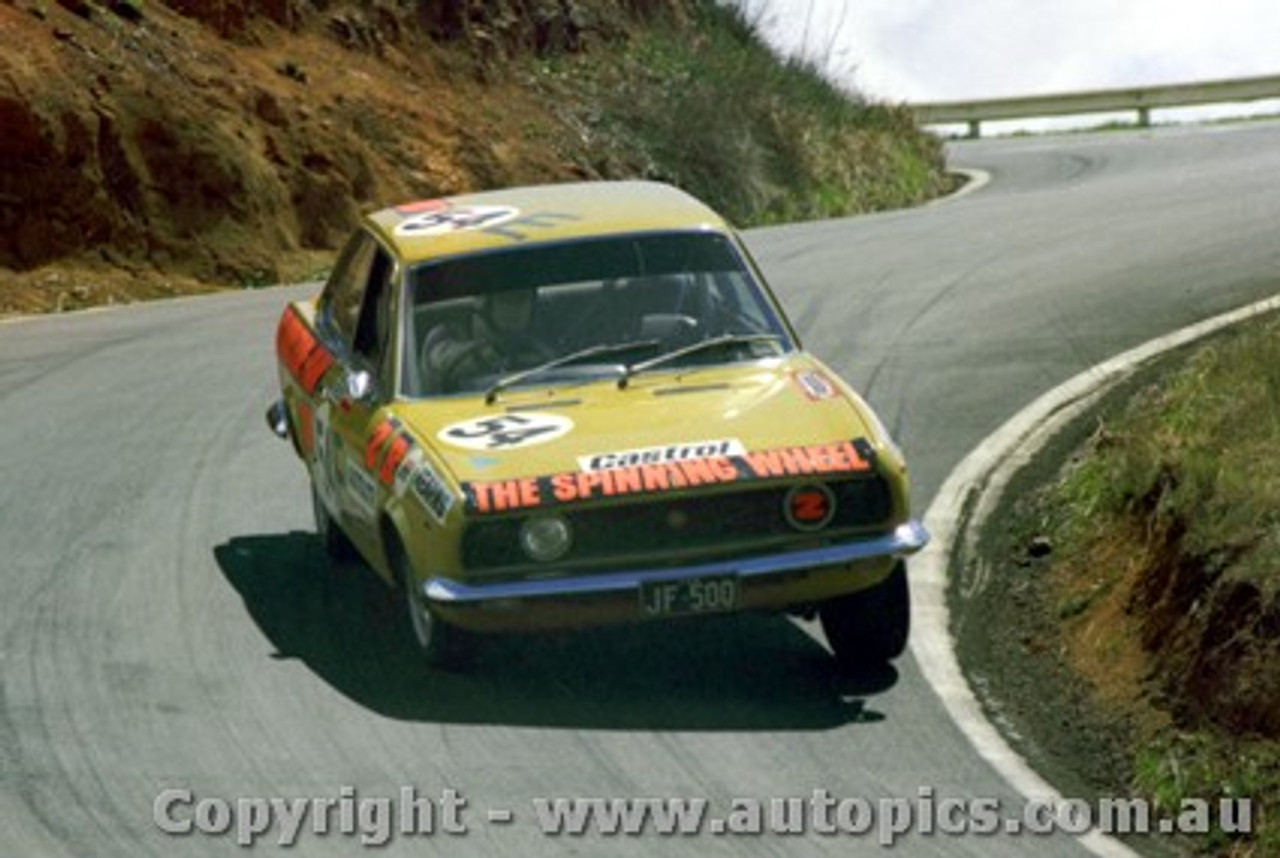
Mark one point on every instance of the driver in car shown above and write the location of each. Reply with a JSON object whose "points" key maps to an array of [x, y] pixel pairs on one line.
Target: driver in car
{"points": [[500, 341]]}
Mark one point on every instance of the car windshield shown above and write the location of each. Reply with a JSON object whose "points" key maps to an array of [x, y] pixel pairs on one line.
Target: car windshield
{"points": [[582, 310]]}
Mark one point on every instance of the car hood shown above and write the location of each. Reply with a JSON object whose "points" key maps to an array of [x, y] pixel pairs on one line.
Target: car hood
{"points": [[659, 417]]}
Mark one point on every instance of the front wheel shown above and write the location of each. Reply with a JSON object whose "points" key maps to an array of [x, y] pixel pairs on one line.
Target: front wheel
{"points": [[870, 627], [439, 644]]}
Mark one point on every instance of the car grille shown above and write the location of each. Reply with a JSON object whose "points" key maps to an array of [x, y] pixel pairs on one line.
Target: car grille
{"points": [[697, 522]]}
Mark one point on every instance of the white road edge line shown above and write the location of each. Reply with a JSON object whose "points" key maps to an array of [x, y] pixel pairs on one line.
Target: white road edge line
{"points": [[975, 180], [977, 482]]}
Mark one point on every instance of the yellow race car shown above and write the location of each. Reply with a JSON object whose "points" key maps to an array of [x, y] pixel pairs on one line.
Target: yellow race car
{"points": [[575, 405]]}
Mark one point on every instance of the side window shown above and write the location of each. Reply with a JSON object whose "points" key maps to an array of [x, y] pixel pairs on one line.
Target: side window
{"points": [[344, 293], [374, 328]]}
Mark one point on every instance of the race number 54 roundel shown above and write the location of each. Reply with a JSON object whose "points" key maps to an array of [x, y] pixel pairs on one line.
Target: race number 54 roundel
{"points": [[505, 431]]}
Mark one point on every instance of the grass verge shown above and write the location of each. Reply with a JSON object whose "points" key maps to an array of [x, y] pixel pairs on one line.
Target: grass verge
{"points": [[704, 104], [1164, 580]]}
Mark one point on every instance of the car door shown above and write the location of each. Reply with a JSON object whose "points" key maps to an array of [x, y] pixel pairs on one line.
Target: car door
{"points": [[356, 315]]}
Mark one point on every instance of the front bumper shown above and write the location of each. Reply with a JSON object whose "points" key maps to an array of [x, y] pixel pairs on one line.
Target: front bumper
{"points": [[773, 581]]}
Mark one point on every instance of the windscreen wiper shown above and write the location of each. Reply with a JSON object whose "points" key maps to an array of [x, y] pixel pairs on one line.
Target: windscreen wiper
{"points": [[700, 346], [582, 354]]}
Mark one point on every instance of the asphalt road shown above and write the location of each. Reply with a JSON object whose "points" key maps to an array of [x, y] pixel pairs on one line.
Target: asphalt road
{"points": [[165, 622]]}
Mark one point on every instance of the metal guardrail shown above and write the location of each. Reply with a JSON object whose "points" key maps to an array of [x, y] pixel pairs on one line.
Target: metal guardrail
{"points": [[1140, 99]]}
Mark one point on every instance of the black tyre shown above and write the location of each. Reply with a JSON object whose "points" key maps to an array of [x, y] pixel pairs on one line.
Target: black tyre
{"points": [[869, 628], [335, 542], [440, 645]]}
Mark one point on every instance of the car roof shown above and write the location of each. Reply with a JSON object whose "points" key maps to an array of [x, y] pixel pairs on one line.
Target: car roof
{"points": [[488, 220]]}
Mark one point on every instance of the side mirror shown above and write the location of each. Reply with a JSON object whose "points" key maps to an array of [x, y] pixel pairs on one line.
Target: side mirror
{"points": [[359, 387]]}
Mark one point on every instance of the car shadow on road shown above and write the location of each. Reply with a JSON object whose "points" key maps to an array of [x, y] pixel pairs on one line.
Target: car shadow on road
{"points": [[742, 672]]}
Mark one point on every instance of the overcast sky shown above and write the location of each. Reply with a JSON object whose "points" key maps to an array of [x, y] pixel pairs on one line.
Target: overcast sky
{"points": [[946, 50]]}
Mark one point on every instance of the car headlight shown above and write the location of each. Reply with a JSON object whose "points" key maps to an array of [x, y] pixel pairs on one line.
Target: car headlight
{"points": [[546, 537]]}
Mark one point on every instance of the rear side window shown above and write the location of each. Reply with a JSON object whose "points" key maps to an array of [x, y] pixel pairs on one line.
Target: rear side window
{"points": [[374, 329], [343, 295]]}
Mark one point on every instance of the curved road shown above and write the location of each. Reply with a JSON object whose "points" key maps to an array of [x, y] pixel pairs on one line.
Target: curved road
{"points": [[165, 623]]}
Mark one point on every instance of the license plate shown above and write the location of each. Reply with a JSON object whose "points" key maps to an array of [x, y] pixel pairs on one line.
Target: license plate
{"points": [[712, 594]]}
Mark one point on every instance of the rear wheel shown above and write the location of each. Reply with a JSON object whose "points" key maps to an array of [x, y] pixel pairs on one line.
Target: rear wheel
{"points": [[335, 542], [868, 628]]}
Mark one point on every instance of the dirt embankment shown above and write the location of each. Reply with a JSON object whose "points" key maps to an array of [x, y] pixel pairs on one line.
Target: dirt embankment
{"points": [[1121, 611], [154, 147]]}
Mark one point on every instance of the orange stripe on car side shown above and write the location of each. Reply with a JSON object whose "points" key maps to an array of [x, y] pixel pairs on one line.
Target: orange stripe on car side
{"points": [[399, 449], [376, 440], [300, 352], [306, 428]]}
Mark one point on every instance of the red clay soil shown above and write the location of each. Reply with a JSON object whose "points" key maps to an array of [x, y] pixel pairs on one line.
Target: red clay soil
{"points": [[164, 147]]}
